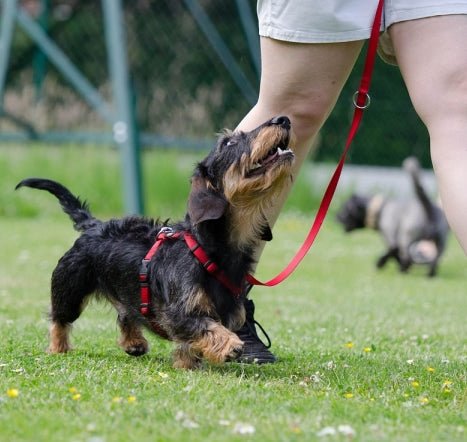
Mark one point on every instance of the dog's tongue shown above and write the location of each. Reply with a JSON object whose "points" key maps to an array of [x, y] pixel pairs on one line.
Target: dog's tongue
{"points": [[272, 155]]}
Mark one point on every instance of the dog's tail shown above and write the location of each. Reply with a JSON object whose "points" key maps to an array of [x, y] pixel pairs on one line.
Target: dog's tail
{"points": [[77, 210], [412, 166]]}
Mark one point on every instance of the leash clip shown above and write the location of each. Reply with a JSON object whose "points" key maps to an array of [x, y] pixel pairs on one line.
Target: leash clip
{"points": [[356, 97]]}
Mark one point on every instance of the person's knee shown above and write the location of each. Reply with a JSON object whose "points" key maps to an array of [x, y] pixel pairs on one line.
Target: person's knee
{"points": [[307, 115], [445, 100]]}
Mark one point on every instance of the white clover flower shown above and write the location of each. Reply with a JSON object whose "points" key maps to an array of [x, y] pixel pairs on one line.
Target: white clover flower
{"points": [[243, 428], [346, 430], [326, 431]]}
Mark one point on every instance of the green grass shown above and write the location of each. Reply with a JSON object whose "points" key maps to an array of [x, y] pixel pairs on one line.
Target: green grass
{"points": [[408, 322], [95, 174], [380, 352]]}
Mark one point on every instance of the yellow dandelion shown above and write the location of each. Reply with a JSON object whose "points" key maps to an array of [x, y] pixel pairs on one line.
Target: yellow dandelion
{"points": [[116, 399], [348, 395], [430, 369], [73, 390], [367, 349], [415, 384], [131, 399], [12, 393], [447, 383], [76, 397], [349, 344], [424, 400]]}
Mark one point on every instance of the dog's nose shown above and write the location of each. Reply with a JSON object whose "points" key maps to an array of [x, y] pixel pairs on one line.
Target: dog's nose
{"points": [[281, 121]]}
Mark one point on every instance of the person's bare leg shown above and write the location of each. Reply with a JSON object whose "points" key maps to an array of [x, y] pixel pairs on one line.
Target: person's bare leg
{"points": [[303, 82], [432, 56]]}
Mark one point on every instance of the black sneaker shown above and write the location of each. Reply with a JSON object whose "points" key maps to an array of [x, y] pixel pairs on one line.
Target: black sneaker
{"points": [[254, 351]]}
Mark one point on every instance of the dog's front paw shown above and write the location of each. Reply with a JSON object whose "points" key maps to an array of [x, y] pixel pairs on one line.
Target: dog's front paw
{"points": [[218, 344], [235, 353]]}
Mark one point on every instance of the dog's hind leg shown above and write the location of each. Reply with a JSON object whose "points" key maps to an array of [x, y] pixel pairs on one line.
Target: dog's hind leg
{"points": [[405, 262], [391, 253], [72, 283], [433, 268], [59, 337], [132, 339]]}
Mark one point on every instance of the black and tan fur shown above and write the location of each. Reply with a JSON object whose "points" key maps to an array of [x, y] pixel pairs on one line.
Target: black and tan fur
{"points": [[230, 190]]}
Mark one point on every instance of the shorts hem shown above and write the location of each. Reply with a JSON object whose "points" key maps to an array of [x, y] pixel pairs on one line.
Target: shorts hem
{"points": [[316, 37], [396, 16]]}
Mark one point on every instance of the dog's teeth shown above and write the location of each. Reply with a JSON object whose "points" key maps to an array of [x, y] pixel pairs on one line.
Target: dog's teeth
{"points": [[283, 150]]}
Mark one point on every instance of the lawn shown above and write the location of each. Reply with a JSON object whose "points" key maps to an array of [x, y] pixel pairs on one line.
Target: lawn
{"points": [[363, 354]]}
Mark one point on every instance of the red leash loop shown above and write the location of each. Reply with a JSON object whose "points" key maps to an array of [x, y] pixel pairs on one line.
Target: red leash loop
{"points": [[361, 101]]}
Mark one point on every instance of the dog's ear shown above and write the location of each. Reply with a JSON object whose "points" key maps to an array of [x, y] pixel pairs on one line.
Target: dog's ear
{"points": [[204, 203]]}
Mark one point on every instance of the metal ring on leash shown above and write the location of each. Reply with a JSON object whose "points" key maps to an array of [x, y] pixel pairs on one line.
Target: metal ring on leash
{"points": [[367, 100]]}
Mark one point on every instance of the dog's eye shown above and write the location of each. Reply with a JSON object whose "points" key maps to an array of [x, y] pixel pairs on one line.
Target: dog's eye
{"points": [[230, 143]]}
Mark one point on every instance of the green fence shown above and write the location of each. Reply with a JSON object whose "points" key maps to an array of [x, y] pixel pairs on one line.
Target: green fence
{"points": [[175, 72]]}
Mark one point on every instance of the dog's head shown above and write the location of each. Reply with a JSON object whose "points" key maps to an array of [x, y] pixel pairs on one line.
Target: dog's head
{"points": [[243, 173], [352, 214]]}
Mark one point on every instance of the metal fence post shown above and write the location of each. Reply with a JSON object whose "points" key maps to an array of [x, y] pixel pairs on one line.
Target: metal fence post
{"points": [[39, 60], [6, 33], [63, 64], [217, 43], [250, 28], [124, 128]]}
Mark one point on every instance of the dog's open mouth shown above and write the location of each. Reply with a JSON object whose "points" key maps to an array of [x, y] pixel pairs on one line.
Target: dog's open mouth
{"points": [[276, 155]]}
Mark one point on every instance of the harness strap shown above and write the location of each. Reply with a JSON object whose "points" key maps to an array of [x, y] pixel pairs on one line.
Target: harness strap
{"points": [[373, 211], [211, 267], [361, 101], [165, 233], [200, 254]]}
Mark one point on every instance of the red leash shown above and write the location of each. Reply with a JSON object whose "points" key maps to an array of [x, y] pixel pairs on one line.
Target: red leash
{"points": [[361, 101]]}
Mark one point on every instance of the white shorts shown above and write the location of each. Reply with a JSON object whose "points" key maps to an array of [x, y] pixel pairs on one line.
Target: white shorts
{"points": [[332, 21]]}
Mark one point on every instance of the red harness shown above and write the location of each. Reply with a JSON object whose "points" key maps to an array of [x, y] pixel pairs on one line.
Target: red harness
{"points": [[211, 267]]}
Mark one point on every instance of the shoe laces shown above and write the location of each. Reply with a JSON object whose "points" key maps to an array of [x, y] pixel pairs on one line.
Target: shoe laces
{"points": [[250, 322]]}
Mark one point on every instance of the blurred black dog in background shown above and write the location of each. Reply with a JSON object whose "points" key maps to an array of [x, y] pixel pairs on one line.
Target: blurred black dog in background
{"points": [[414, 230]]}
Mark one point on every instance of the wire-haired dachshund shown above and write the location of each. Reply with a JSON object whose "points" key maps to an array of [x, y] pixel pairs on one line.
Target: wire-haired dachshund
{"points": [[190, 290]]}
